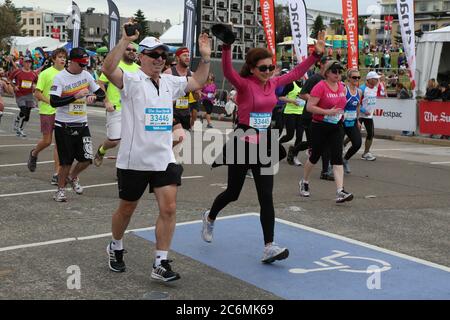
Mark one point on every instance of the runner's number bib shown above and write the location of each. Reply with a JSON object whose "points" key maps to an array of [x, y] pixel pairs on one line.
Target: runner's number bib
{"points": [[78, 108], [334, 119], [158, 119], [182, 103], [260, 120], [26, 84], [350, 115]]}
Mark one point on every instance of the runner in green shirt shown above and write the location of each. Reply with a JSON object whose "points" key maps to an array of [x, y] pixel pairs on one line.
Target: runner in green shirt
{"points": [[46, 111], [113, 105]]}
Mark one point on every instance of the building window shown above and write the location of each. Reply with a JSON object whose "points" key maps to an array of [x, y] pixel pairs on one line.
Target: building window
{"points": [[91, 31], [38, 33], [38, 21], [47, 29], [24, 21], [31, 21], [98, 31], [425, 27], [31, 33]]}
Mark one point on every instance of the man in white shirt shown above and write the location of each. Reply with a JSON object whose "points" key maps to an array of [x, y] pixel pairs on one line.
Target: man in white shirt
{"points": [[145, 155]]}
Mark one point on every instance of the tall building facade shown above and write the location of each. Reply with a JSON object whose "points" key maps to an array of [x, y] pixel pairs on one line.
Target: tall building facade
{"points": [[246, 20], [54, 25], [31, 22]]}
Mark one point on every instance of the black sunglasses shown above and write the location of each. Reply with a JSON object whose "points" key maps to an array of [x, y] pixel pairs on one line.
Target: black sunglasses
{"points": [[156, 55], [264, 68], [134, 50], [336, 70], [356, 78]]}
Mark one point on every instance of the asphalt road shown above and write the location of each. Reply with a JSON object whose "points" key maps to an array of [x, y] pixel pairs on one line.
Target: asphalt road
{"points": [[402, 203]]}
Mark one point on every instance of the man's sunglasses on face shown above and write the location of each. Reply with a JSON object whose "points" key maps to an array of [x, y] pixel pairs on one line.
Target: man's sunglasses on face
{"points": [[156, 55], [264, 68], [356, 77]]}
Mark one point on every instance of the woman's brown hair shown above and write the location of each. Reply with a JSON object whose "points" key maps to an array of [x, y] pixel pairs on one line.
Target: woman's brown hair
{"points": [[252, 58]]}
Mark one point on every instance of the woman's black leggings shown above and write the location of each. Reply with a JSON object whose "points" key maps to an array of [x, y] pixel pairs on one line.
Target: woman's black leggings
{"points": [[355, 138], [293, 125], [264, 188], [368, 123], [325, 135]]}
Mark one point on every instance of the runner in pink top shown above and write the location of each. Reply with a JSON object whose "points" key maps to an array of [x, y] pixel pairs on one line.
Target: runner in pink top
{"points": [[256, 99], [327, 104]]}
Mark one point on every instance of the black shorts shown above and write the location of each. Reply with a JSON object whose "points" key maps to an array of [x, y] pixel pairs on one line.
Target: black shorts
{"points": [[208, 106], [73, 142], [194, 106], [182, 117], [132, 183]]}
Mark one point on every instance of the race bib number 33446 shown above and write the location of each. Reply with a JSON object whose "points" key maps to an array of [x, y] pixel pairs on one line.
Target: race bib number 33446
{"points": [[158, 119]]}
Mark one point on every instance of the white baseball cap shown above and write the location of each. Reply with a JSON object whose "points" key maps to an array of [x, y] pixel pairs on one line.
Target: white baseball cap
{"points": [[372, 75], [151, 43]]}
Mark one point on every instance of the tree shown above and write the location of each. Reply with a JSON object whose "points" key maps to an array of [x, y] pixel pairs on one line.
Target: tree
{"points": [[8, 22], [338, 26], [318, 26], [282, 23], [139, 18]]}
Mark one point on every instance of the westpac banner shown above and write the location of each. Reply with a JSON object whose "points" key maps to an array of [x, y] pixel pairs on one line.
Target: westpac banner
{"points": [[297, 15], [395, 114]]}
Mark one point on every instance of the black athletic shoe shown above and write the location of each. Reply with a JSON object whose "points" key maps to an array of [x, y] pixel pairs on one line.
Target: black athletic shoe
{"points": [[343, 196], [32, 162], [164, 272], [115, 259], [290, 156]]}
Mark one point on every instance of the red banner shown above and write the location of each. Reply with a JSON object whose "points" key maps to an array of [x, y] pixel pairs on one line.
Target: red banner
{"points": [[350, 14], [56, 33], [268, 16], [388, 23], [434, 117]]}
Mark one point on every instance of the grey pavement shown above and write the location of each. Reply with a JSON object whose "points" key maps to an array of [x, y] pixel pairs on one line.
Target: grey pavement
{"points": [[402, 203]]}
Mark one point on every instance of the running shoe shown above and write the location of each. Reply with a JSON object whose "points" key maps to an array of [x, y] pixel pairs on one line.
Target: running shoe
{"points": [[290, 156], [368, 157], [343, 196], [346, 166], [207, 228], [297, 162], [32, 162], [75, 183], [21, 133], [98, 159], [60, 195], [209, 126], [54, 180], [304, 188], [115, 259], [163, 272], [274, 252]]}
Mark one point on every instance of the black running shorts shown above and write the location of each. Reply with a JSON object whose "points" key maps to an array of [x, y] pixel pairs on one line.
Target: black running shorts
{"points": [[132, 183], [73, 143]]}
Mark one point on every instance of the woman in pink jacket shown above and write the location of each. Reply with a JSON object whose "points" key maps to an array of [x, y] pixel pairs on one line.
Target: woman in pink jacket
{"points": [[256, 98]]}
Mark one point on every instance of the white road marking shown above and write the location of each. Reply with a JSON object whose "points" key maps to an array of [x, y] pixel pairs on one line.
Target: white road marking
{"points": [[23, 164], [19, 145], [84, 187], [445, 162]]}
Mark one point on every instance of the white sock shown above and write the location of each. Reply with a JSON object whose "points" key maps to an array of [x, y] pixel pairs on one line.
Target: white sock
{"points": [[340, 189], [160, 255], [116, 244]]}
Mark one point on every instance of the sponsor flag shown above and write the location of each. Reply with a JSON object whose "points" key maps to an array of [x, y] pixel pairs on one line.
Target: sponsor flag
{"points": [[114, 25], [405, 9], [76, 23], [189, 23], [268, 17], [350, 13], [297, 16]]}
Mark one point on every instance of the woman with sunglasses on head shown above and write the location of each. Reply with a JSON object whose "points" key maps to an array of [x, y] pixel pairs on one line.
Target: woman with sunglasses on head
{"points": [[352, 126], [327, 103], [256, 98]]}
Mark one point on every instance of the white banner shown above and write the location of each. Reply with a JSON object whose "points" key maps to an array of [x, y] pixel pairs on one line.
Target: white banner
{"points": [[297, 15], [406, 20], [395, 114]]}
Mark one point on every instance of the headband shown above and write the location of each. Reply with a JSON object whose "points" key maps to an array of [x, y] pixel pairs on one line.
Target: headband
{"points": [[81, 60], [182, 51]]}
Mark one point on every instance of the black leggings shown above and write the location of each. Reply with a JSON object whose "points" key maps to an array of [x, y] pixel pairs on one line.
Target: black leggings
{"points": [[325, 136], [368, 123], [355, 137], [23, 116], [293, 125], [264, 188]]}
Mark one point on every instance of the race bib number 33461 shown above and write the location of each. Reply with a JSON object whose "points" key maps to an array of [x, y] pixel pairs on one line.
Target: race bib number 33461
{"points": [[158, 119]]}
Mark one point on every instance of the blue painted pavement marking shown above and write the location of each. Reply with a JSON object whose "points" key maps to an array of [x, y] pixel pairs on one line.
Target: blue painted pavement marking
{"points": [[320, 265]]}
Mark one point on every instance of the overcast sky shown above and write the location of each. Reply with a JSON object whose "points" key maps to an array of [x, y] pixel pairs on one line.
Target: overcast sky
{"points": [[165, 9]]}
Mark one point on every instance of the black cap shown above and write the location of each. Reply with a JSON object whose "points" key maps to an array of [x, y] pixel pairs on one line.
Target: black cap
{"points": [[78, 53], [224, 33]]}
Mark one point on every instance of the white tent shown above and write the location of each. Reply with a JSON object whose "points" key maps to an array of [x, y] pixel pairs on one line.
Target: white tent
{"points": [[173, 35], [311, 41], [432, 57], [30, 43]]}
